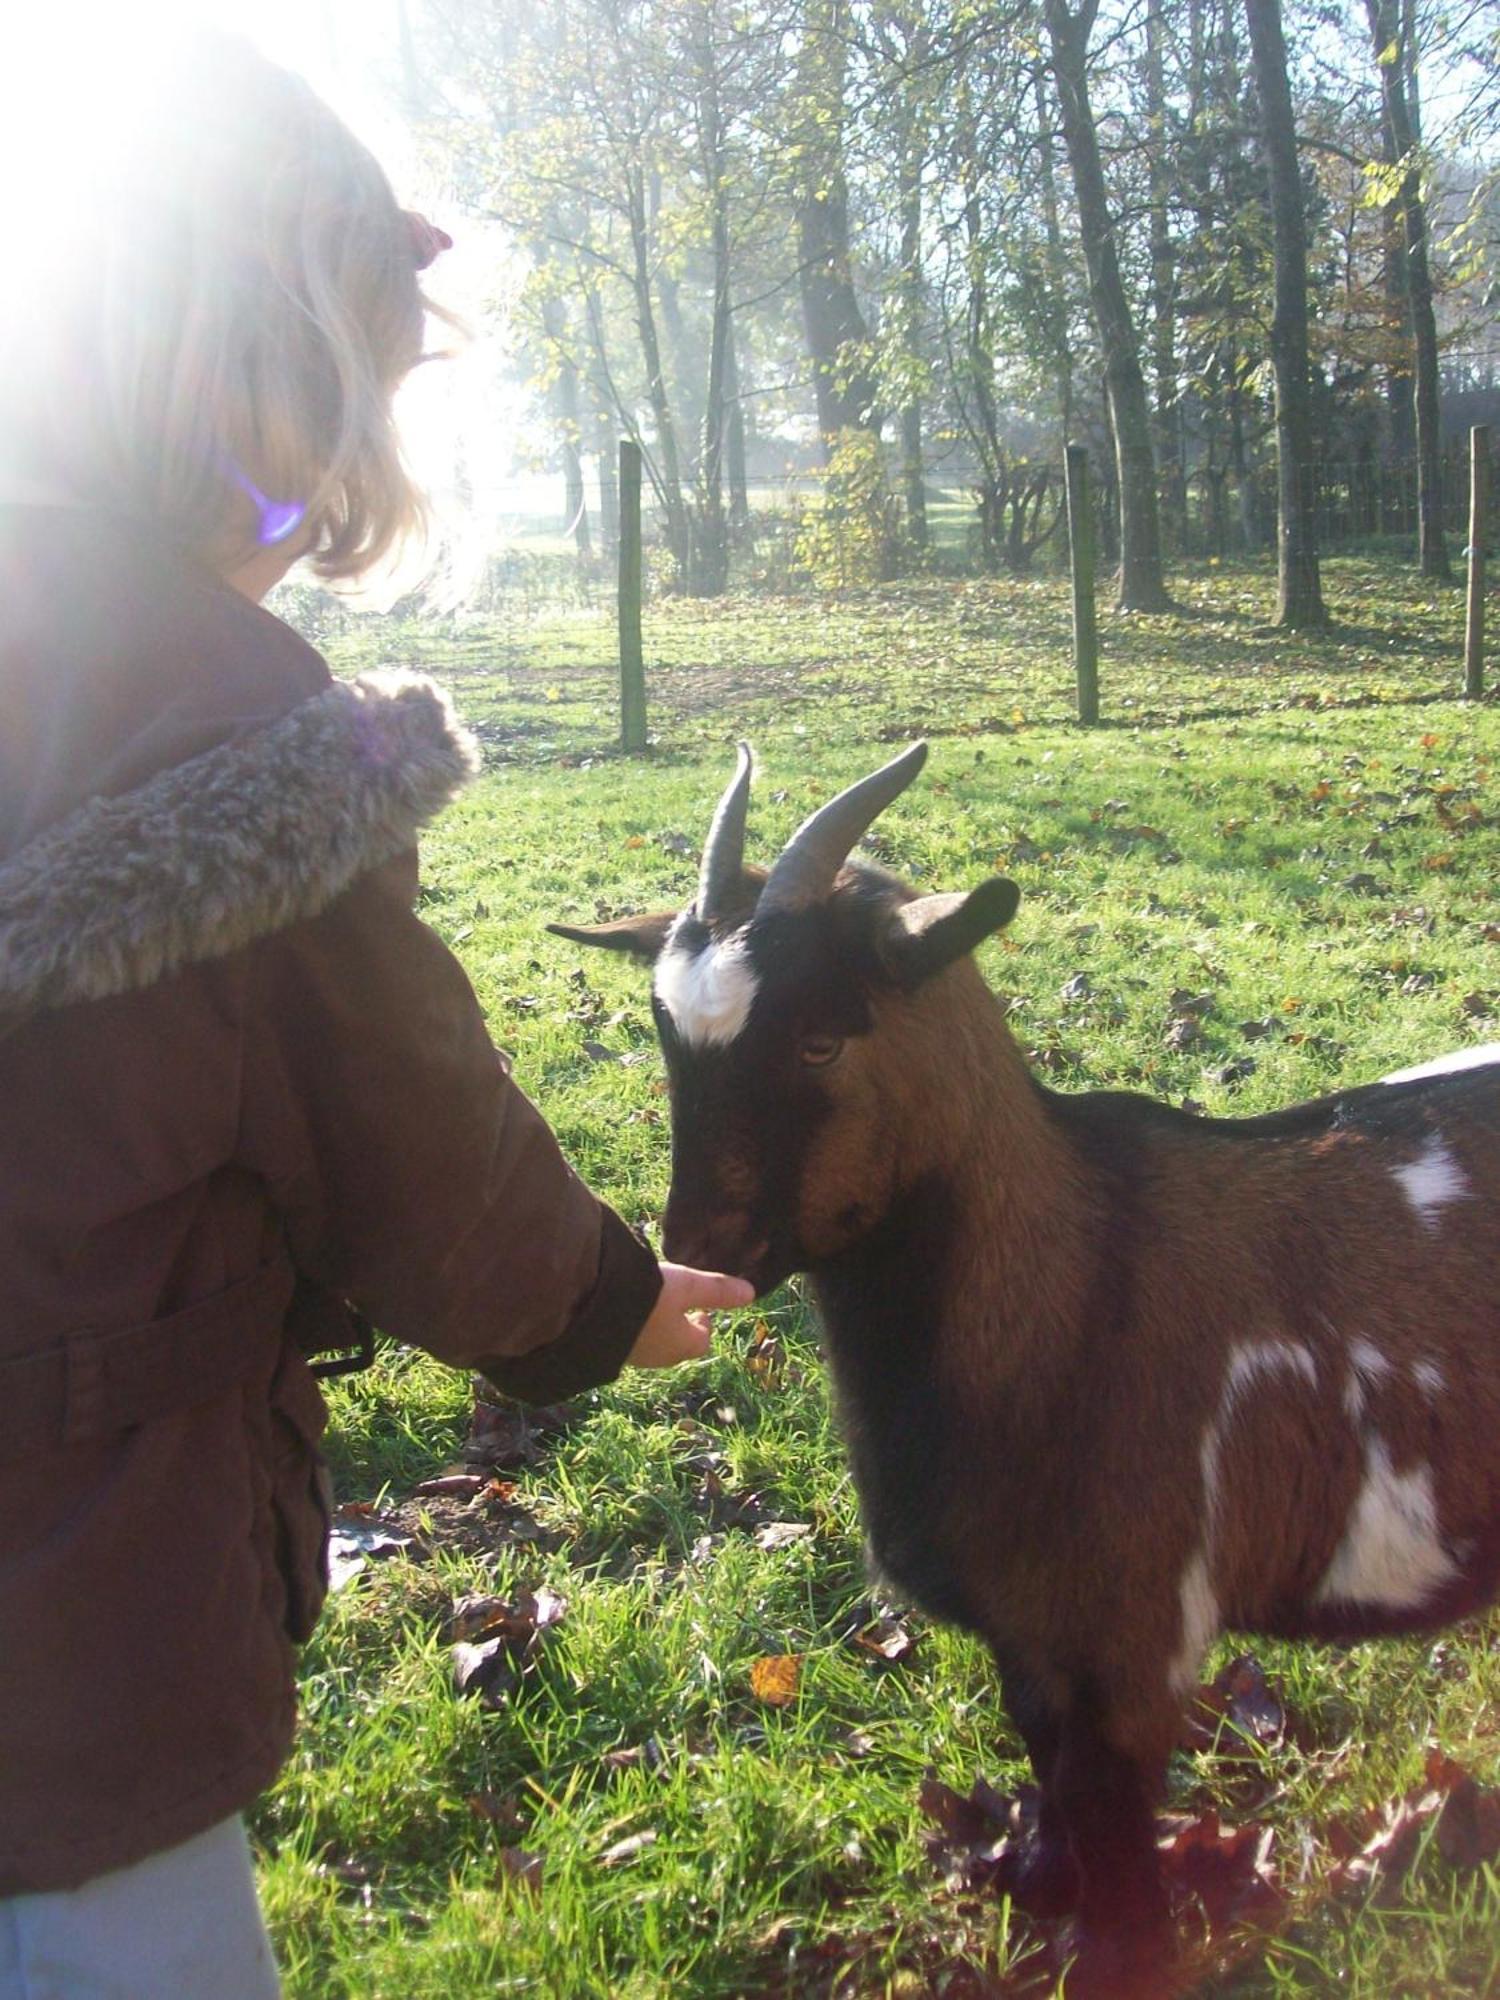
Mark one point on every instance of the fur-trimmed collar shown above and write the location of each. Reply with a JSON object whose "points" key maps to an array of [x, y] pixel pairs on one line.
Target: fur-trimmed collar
{"points": [[229, 846]]}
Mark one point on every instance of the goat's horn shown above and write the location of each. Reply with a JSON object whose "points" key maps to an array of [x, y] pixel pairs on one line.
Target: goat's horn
{"points": [[821, 845], [724, 850]]}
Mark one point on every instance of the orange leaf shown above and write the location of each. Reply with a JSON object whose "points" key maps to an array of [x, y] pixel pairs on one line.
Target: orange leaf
{"points": [[775, 1678]]}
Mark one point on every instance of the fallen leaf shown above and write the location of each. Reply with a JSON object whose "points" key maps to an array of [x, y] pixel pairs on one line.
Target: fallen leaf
{"points": [[484, 1670], [520, 1866], [781, 1534], [497, 1810], [453, 1485], [887, 1638], [775, 1678], [629, 1757], [515, 1620], [1225, 1870], [359, 1535], [1242, 1698], [990, 1842], [1468, 1828], [628, 1849], [1233, 1072]]}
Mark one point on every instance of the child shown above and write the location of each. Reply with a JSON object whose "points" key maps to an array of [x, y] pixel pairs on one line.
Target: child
{"points": [[248, 1096]]}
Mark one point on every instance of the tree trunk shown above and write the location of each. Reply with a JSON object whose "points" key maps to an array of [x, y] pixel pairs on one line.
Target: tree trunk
{"points": [[1299, 590], [565, 403], [1141, 587], [666, 474], [838, 339], [913, 479], [1057, 263], [1163, 284], [981, 412], [1393, 59], [734, 440], [604, 427], [914, 119], [710, 569]]}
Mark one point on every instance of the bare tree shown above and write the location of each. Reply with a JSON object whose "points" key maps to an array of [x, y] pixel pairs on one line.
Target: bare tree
{"points": [[1299, 596], [1392, 32], [1141, 587]]}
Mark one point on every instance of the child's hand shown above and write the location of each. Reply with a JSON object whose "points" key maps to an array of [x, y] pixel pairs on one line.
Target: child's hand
{"points": [[677, 1329]]}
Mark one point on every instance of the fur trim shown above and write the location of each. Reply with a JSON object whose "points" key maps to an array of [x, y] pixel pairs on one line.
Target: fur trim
{"points": [[228, 847]]}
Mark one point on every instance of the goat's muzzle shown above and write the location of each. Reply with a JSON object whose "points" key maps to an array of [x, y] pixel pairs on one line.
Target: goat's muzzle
{"points": [[725, 1241]]}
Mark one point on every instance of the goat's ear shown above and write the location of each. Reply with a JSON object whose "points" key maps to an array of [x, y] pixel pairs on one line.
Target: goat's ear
{"points": [[642, 937], [933, 931]]}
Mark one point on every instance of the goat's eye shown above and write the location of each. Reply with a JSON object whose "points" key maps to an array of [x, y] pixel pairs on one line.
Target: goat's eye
{"points": [[816, 1050]]}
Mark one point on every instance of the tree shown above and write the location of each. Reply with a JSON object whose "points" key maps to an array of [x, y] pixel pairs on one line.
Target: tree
{"points": [[1141, 587], [838, 337], [1394, 57], [1299, 596]]}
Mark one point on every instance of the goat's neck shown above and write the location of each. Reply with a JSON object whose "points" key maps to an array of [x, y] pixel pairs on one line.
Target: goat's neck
{"points": [[996, 1210]]}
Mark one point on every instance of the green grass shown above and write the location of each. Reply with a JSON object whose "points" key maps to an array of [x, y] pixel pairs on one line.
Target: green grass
{"points": [[1308, 832]]}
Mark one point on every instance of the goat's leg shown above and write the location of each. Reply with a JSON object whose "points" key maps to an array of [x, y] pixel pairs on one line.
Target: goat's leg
{"points": [[1104, 1795], [1047, 1875]]}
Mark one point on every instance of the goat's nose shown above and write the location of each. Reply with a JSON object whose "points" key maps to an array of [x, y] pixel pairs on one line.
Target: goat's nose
{"points": [[706, 1242]]}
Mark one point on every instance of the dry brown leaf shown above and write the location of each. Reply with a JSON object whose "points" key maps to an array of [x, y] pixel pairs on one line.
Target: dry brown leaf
{"points": [[497, 1810], [775, 1678], [452, 1485], [1242, 1697], [781, 1534], [518, 1865], [888, 1639]]}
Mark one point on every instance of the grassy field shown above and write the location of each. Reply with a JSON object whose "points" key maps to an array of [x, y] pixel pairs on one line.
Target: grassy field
{"points": [[1277, 868]]}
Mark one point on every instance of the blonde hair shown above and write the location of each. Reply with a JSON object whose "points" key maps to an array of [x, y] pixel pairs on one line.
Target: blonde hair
{"points": [[228, 284]]}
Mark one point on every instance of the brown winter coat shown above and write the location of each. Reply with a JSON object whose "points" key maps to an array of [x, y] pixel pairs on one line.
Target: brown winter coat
{"points": [[240, 1084]]}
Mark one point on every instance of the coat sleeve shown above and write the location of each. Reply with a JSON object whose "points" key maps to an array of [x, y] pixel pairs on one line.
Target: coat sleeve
{"points": [[413, 1175]]}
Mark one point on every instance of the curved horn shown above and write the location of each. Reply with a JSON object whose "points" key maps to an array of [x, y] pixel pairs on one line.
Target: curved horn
{"points": [[724, 850], [821, 845]]}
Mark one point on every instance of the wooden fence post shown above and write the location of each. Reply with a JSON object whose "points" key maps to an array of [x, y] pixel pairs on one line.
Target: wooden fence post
{"points": [[632, 659], [1081, 563], [1479, 497]]}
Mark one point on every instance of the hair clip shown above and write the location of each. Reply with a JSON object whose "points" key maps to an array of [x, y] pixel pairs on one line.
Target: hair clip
{"points": [[278, 518], [427, 241]]}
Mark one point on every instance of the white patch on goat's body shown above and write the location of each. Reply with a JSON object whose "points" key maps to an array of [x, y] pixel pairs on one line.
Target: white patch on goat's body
{"points": [[708, 993], [1200, 1624], [1429, 1378], [1254, 1358], [1201, 1616], [1445, 1065], [1392, 1553], [1367, 1360], [1431, 1181], [1368, 1368]]}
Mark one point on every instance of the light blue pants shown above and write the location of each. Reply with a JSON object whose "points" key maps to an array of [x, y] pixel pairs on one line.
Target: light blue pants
{"points": [[184, 1925]]}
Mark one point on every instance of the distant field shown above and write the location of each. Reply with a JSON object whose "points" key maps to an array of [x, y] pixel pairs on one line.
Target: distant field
{"points": [[1303, 836]]}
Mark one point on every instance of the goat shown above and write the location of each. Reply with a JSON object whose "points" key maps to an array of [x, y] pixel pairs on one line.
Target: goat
{"points": [[1114, 1377]]}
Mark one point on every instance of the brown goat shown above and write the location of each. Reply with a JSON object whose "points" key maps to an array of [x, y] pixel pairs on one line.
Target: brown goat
{"points": [[1114, 1377]]}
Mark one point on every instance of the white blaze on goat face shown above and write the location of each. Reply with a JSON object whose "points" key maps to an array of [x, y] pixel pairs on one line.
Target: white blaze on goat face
{"points": [[1200, 1624], [1431, 1181], [708, 993], [1392, 1553]]}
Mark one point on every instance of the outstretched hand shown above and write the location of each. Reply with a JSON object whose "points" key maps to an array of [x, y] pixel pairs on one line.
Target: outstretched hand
{"points": [[678, 1328]]}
